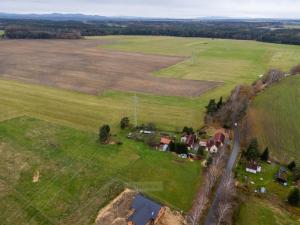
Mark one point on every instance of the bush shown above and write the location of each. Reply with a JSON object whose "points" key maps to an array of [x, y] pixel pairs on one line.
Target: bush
{"points": [[294, 197], [104, 134], [124, 123], [292, 166]]}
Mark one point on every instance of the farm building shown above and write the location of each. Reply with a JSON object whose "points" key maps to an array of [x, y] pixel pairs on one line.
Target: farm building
{"points": [[144, 211], [253, 167], [219, 139], [281, 176]]}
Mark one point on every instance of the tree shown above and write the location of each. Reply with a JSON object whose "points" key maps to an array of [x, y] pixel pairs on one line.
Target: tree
{"points": [[188, 130], [265, 155], [200, 152], [211, 107], [294, 197], [292, 166], [124, 122], [180, 148], [209, 161], [104, 134], [296, 174], [220, 103], [252, 152]]}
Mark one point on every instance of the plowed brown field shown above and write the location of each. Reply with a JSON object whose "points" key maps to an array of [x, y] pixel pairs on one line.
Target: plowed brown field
{"points": [[81, 65]]}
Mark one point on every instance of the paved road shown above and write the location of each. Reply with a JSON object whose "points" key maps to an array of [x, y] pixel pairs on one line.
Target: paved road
{"points": [[211, 218]]}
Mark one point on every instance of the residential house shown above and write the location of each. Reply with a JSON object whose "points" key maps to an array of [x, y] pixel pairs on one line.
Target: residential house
{"points": [[253, 167], [213, 149], [164, 143], [219, 139], [191, 139], [144, 211], [281, 176]]}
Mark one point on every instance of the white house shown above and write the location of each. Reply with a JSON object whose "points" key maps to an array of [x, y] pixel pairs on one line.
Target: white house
{"points": [[253, 167], [213, 149]]}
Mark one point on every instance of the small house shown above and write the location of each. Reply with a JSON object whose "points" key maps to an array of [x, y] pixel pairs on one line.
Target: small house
{"points": [[203, 143], [253, 167], [144, 211], [281, 176], [164, 143], [219, 139], [209, 144], [183, 139], [190, 141], [213, 149], [165, 140]]}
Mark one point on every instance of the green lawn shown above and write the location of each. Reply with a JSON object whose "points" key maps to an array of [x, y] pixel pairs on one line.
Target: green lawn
{"points": [[78, 175], [265, 179], [275, 117], [259, 212]]}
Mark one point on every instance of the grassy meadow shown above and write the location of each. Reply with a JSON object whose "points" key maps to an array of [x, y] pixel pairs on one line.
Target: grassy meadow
{"points": [[275, 117], [77, 175], [259, 212]]}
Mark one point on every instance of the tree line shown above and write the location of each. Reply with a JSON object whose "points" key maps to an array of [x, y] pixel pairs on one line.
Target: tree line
{"points": [[274, 32]]}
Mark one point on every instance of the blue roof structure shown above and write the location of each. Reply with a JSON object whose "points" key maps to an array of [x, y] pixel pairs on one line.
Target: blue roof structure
{"points": [[144, 210]]}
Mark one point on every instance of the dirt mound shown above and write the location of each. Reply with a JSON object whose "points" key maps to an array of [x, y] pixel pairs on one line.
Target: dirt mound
{"points": [[116, 212]]}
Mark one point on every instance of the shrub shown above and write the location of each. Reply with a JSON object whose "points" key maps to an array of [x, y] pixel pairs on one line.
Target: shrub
{"points": [[292, 165], [104, 134], [124, 123], [294, 197]]}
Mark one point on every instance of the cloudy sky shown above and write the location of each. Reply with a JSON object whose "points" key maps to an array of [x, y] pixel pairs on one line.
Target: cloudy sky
{"points": [[159, 8]]}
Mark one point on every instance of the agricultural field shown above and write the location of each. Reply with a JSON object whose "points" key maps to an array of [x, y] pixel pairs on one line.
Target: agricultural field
{"points": [[82, 66], [275, 117], [259, 212], [228, 62], [52, 174]]}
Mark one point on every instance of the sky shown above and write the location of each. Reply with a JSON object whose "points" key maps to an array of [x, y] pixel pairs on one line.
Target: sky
{"points": [[159, 8]]}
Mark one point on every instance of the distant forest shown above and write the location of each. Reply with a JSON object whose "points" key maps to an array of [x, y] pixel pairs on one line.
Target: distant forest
{"points": [[286, 32]]}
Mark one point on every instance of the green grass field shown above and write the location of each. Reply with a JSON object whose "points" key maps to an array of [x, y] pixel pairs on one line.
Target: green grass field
{"points": [[77, 175], [275, 117], [260, 212], [265, 179]]}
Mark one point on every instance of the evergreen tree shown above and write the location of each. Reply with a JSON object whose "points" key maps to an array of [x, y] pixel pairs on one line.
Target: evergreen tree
{"points": [[265, 155], [200, 152], [292, 165], [220, 103], [294, 197], [209, 161], [212, 107], [104, 134], [124, 122], [252, 152]]}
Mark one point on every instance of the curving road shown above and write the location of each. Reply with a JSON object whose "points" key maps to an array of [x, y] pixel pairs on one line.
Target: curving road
{"points": [[211, 218]]}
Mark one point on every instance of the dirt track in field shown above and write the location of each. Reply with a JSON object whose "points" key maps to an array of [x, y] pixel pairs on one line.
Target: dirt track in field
{"points": [[81, 65]]}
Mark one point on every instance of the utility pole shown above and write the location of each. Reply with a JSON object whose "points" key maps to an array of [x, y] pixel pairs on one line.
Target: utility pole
{"points": [[135, 102]]}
